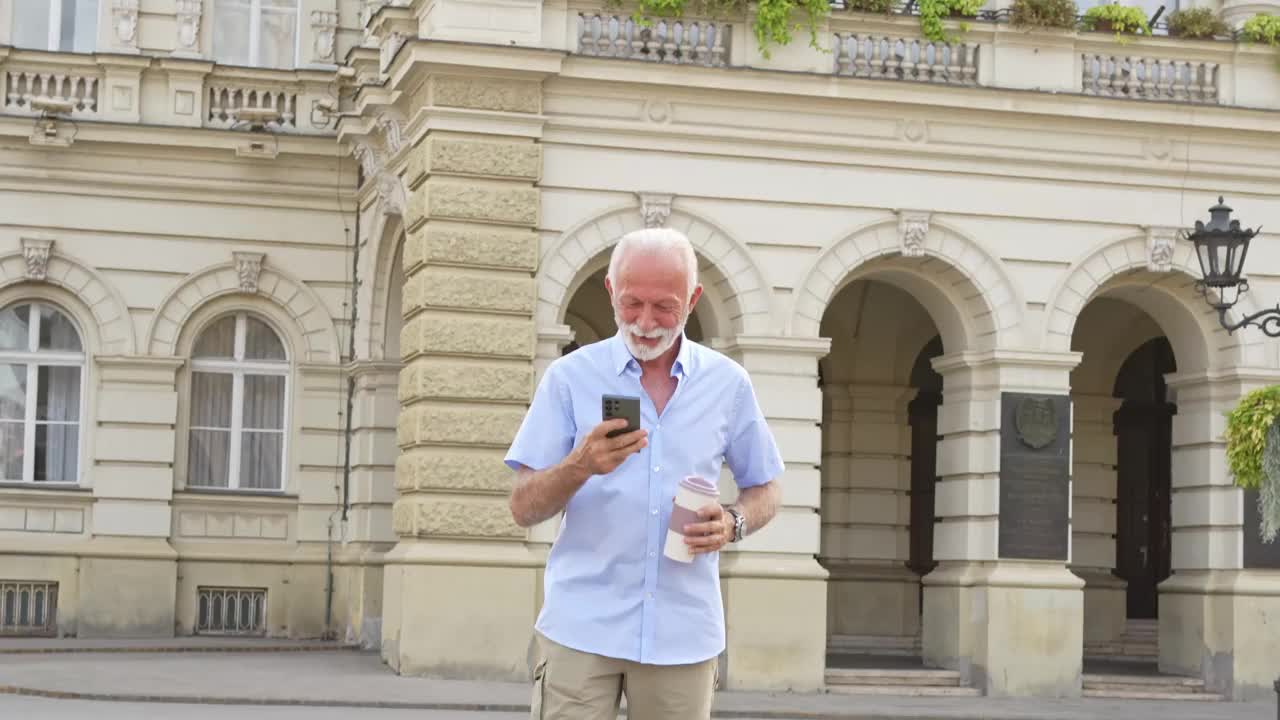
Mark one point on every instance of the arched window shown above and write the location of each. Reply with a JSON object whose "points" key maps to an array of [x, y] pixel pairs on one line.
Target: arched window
{"points": [[256, 33], [239, 385], [41, 376]]}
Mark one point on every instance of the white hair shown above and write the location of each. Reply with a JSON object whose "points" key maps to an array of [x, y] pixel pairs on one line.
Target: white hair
{"points": [[655, 240]]}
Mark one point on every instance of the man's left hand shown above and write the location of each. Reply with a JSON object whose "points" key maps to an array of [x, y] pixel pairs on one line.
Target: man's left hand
{"points": [[712, 533]]}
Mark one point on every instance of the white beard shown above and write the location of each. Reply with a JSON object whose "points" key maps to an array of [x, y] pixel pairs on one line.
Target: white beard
{"points": [[666, 338]]}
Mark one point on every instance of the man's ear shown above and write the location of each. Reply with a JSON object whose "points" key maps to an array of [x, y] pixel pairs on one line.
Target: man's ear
{"points": [[693, 299], [608, 286]]}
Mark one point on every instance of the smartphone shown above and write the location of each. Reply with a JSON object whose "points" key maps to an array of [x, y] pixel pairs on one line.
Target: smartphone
{"points": [[621, 406]]}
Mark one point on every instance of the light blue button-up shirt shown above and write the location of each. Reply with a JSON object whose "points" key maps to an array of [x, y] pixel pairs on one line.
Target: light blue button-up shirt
{"points": [[609, 590]]}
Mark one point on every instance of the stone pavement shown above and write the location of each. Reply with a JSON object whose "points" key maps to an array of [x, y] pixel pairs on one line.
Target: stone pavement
{"points": [[329, 678]]}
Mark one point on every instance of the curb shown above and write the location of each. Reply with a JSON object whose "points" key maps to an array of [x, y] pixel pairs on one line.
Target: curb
{"points": [[440, 706], [182, 650]]}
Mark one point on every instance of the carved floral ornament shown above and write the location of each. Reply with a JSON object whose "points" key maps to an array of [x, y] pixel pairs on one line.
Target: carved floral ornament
{"points": [[324, 23], [913, 228], [248, 270], [35, 251], [373, 162], [1160, 247], [655, 209]]}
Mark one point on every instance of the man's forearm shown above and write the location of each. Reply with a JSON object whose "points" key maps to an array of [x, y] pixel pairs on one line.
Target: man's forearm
{"points": [[759, 504], [540, 495]]}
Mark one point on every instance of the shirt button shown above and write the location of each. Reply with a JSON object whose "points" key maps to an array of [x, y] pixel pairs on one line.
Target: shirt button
{"points": [[654, 511], [652, 553], [657, 468]]}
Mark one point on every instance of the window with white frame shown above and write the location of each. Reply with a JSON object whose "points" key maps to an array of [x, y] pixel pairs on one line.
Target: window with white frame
{"points": [[239, 386], [256, 33], [56, 25], [41, 375]]}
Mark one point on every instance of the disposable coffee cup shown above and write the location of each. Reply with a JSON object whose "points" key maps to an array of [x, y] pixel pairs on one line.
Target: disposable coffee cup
{"points": [[694, 492]]}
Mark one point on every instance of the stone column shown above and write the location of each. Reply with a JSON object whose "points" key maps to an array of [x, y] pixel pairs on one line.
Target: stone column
{"points": [[132, 564], [1093, 516], [1217, 615], [775, 567], [872, 589], [834, 511], [460, 583], [986, 615], [370, 493]]}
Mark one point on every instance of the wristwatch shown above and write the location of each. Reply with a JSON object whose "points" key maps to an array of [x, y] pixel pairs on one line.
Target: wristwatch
{"points": [[739, 523]]}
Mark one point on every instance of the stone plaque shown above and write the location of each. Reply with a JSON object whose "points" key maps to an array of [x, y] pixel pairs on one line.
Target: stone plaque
{"points": [[1257, 554], [1035, 476]]}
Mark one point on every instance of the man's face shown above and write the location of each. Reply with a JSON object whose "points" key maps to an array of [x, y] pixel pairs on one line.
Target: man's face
{"points": [[649, 304]]}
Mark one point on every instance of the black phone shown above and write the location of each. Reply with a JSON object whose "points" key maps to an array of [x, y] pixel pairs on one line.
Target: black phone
{"points": [[621, 406]]}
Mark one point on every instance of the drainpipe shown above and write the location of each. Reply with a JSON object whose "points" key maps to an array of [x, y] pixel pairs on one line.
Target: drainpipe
{"points": [[1277, 698]]}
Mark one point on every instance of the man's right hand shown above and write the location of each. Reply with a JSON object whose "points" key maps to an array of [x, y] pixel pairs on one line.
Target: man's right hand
{"points": [[598, 454]]}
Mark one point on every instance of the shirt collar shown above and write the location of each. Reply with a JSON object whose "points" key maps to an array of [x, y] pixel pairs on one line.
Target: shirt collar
{"points": [[623, 359]]}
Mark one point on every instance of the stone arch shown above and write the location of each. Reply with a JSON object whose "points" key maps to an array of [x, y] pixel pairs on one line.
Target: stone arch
{"points": [[743, 294], [1120, 269], [299, 302], [114, 329], [963, 287], [374, 298]]}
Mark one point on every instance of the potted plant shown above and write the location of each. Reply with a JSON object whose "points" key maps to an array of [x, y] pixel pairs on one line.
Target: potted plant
{"points": [[1262, 28], [1253, 452], [1197, 23], [1042, 14], [1114, 17]]}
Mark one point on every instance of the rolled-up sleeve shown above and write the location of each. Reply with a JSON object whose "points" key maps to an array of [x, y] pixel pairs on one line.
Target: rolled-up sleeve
{"points": [[546, 435], [752, 454]]}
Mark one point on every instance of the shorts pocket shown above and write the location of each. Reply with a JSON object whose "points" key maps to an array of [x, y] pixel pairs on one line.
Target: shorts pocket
{"points": [[539, 688]]}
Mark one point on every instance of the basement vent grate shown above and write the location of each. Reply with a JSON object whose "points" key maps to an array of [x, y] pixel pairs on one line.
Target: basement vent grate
{"points": [[231, 611], [28, 608]]}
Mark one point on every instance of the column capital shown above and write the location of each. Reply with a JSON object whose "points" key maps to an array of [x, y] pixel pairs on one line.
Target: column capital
{"points": [[1010, 370]]}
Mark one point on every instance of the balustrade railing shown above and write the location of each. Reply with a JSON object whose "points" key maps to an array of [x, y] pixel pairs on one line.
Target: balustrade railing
{"points": [[1149, 78], [674, 42], [905, 58]]}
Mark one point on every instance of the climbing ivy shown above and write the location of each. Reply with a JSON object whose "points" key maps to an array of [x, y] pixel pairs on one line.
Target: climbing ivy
{"points": [[773, 23]]}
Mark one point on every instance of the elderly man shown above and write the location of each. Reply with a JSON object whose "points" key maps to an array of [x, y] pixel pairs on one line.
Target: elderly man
{"points": [[619, 616]]}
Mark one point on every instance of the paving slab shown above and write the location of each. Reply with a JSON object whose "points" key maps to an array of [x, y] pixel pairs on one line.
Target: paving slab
{"points": [[359, 679]]}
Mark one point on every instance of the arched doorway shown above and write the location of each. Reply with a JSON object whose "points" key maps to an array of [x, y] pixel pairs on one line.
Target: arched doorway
{"points": [[590, 314], [880, 398], [1143, 428]]}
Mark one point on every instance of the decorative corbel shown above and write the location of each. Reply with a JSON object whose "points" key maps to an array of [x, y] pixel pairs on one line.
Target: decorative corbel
{"points": [[655, 208], [249, 270], [324, 26], [1160, 246], [36, 253], [189, 12], [913, 228], [124, 19]]}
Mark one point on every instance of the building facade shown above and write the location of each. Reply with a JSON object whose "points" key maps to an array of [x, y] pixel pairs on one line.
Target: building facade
{"points": [[293, 269]]}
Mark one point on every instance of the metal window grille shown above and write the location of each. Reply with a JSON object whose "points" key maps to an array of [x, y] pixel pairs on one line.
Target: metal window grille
{"points": [[28, 607], [231, 611]]}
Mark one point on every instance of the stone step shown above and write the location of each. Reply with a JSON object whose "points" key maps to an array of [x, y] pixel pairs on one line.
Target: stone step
{"points": [[1145, 687], [892, 677], [904, 690], [875, 641], [1143, 680], [1139, 694]]}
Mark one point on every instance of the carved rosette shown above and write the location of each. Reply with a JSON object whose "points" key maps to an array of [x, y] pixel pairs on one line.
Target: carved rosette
{"points": [[655, 209], [248, 270], [35, 251], [324, 26], [189, 12], [124, 20], [913, 228], [1160, 247]]}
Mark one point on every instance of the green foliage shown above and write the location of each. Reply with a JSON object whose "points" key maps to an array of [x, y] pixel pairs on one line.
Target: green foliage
{"points": [[881, 7], [774, 21], [1199, 22], [1262, 28], [1121, 18], [933, 11], [1246, 434], [1042, 13]]}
